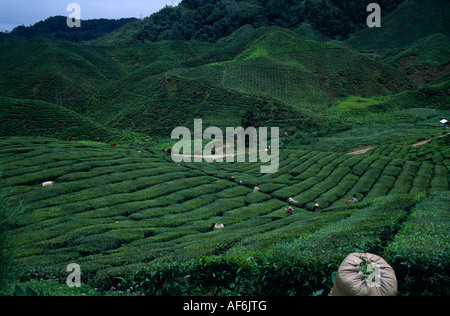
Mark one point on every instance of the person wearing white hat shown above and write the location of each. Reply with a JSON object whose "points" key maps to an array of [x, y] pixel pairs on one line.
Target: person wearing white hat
{"points": [[316, 208]]}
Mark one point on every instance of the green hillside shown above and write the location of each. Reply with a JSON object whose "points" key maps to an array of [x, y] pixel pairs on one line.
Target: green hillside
{"points": [[282, 77], [301, 73], [167, 102], [275, 41], [423, 61], [433, 50], [215, 20], [42, 119], [410, 22], [273, 72], [52, 71], [68, 73]]}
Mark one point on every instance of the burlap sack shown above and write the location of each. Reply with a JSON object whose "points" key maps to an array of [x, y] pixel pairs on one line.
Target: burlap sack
{"points": [[351, 281]]}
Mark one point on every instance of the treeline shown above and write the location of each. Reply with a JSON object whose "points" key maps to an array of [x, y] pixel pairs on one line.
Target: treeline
{"points": [[210, 20], [56, 28]]}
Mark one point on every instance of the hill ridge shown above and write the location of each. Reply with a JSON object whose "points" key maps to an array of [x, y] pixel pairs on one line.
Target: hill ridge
{"points": [[411, 21]]}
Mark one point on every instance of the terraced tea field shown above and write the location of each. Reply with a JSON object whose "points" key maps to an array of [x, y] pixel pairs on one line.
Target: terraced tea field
{"points": [[113, 210], [43, 119]]}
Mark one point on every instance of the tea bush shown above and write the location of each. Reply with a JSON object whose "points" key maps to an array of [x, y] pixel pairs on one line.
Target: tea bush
{"points": [[419, 253], [119, 213]]}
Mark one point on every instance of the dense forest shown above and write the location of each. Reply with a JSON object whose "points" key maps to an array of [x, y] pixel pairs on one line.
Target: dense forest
{"points": [[210, 20], [56, 28]]}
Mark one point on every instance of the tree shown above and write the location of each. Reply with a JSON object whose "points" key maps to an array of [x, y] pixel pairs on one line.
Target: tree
{"points": [[251, 117]]}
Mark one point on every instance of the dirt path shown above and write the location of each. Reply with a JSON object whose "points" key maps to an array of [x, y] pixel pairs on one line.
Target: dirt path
{"points": [[427, 141], [421, 143], [363, 150], [359, 151]]}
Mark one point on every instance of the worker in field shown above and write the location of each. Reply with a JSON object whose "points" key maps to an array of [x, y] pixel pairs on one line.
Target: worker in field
{"points": [[353, 200], [290, 210], [316, 208]]}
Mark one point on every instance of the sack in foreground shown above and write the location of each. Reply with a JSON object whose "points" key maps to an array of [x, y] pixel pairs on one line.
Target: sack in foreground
{"points": [[364, 275]]}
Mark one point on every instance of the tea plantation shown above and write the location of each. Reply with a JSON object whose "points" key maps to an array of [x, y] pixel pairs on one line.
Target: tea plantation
{"points": [[95, 121], [129, 213]]}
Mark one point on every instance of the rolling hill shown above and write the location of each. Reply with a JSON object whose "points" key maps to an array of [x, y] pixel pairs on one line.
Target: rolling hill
{"points": [[68, 74], [42, 119], [302, 73], [423, 61], [215, 20], [52, 71], [284, 78]]}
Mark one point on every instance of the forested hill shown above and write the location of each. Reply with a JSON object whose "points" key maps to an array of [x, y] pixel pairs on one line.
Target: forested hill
{"points": [[213, 20], [210, 20], [56, 28]]}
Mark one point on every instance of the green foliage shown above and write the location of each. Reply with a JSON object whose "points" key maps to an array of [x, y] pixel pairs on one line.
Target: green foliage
{"points": [[424, 98], [301, 268], [282, 78], [278, 41], [8, 215], [410, 22], [59, 72], [419, 252], [42, 119], [431, 50], [356, 104], [213, 20], [27, 292], [56, 28], [138, 216]]}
